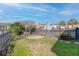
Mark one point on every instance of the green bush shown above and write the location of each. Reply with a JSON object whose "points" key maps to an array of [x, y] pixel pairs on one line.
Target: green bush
{"points": [[65, 36], [32, 30], [17, 28]]}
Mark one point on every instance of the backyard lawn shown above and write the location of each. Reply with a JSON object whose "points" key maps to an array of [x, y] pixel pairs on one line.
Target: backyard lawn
{"points": [[34, 47], [66, 48], [45, 46], [20, 50]]}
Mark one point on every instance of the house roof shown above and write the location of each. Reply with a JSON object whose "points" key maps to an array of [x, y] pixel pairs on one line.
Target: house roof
{"points": [[4, 24]]}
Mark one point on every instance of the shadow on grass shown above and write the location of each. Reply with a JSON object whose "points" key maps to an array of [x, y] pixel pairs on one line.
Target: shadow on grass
{"points": [[65, 45], [11, 47], [7, 51]]}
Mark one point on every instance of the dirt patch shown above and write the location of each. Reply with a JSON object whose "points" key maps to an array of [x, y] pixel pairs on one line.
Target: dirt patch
{"points": [[41, 47], [35, 37], [41, 50]]}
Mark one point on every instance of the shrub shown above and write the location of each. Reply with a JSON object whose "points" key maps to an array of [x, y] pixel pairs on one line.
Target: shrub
{"points": [[65, 36]]}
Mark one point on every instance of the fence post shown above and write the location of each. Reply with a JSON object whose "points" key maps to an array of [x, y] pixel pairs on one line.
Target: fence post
{"points": [[77, 34]]}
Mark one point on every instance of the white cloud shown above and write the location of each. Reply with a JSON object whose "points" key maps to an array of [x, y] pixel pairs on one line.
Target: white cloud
{"points": [[40, 15], [16, 5], [12, 4], [69, 9], [68, 12], [52, 8], [44, 7], [40, 7]]}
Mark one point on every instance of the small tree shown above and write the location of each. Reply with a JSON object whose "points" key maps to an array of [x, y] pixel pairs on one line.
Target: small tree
{"points": [[72, 22], [62, 23], [32, 30], [16, 28]]}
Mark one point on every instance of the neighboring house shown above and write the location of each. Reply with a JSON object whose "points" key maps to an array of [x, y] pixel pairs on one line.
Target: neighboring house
{"points": [[55, 26], [63, 27], [69, 27], [28, 23], [4, 27], [72, 27], [48, 27], [39, 27]]}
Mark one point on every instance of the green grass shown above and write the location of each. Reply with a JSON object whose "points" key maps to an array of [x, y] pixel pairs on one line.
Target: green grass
{"points": [[62, 48], [20, 50]]}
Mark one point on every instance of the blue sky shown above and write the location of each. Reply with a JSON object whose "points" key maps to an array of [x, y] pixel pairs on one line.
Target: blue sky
{"points": [[41, 13]]}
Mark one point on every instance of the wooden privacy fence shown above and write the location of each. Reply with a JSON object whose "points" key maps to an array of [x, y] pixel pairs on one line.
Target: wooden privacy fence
{"points": [[4, 40]]}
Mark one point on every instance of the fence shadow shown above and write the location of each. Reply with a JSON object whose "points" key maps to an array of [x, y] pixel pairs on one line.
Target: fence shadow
{"points": [[66, 36]]}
